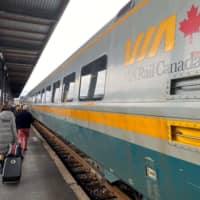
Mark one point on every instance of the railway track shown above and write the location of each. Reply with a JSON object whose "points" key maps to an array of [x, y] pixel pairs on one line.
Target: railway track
{"points": [[81, 169]]}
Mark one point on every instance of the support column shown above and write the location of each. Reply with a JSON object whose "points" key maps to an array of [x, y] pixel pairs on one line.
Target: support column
{"points": [[5, 83], [1, 80]]}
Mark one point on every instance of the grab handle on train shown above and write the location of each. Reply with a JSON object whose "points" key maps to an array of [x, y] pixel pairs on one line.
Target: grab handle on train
{"points": [[185, 135]]}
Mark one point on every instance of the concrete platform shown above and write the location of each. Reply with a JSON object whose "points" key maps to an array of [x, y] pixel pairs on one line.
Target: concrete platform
{"points": [[40, 179]]}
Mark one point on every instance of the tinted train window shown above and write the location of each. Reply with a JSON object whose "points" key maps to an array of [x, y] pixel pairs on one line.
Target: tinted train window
{"points": [[126, 8], [29, 99], [43, 96], [48, 94], [56, 92], [93, 78], [38, 97], [68, 88], [34, 99]]}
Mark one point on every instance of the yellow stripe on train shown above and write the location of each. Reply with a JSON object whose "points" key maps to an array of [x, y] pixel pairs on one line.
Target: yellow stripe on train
{"points": [[170, 130]]}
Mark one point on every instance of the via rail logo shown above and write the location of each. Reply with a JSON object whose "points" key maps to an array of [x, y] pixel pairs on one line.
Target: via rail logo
{"points": [[148, 43], [191, 25]]}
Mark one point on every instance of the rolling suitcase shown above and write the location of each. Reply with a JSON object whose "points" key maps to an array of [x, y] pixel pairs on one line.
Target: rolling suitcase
{"points": [[12, 167]]}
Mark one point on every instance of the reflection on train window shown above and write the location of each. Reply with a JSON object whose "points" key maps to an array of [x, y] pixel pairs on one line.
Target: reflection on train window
{"points": [[48, 94], [56, 92], [99, 90], [68, 88], [43, 96], [93, 78], [85, 85]]}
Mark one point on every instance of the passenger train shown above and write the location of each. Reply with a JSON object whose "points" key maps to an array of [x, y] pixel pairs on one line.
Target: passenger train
{"points": [[130, 99]]}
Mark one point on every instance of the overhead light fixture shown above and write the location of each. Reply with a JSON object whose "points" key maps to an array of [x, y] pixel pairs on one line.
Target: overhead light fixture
{"points": [[1, 55], [5, 67]]}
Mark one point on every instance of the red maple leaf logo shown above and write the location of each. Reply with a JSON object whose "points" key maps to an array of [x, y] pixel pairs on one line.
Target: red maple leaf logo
{"points": [[192, 24]]}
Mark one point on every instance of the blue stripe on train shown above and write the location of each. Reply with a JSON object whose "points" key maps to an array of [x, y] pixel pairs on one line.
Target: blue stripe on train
{"points": [[176, 179]]}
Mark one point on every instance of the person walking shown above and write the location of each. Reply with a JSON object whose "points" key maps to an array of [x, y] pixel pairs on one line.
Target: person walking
{"points": [[23, 123], [17, 109], [8, 133]]}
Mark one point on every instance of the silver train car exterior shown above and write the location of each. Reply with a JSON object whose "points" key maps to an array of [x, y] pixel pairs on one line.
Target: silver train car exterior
{"points": [[130, 99]]}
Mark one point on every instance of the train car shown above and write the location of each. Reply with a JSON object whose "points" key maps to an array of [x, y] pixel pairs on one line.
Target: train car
{"points": [[130, 99]]}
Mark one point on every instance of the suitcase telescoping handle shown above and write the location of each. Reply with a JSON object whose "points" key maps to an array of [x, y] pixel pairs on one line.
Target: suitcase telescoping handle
{"points": [[14, 150]]}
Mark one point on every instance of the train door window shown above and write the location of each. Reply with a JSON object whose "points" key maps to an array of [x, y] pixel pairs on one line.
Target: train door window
{"points": [[43, 96], [93, 78], [48, 94], [68, 88], [56, 92]]}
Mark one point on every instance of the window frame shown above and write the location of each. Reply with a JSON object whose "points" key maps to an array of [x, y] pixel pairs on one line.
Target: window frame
{"points": [[54, 91], [93, 68], [43, 96], [48, 88], [70, 78], [39, 97]]}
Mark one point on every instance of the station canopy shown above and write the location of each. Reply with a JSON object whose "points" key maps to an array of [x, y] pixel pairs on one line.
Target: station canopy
{"points": [[25, 27]]}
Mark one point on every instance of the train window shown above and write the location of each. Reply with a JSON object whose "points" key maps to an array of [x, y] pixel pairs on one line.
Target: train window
{"points": [[68, 88], [56, 92], [29, 99], [38, 97], [93, 78], [34, 99], [48, 94], [43, 96], [126, 8], [188, 87]]}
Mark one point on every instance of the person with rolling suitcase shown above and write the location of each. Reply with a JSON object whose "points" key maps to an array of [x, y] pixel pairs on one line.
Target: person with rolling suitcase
{"points": [[8, 133], [10, 152]]}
